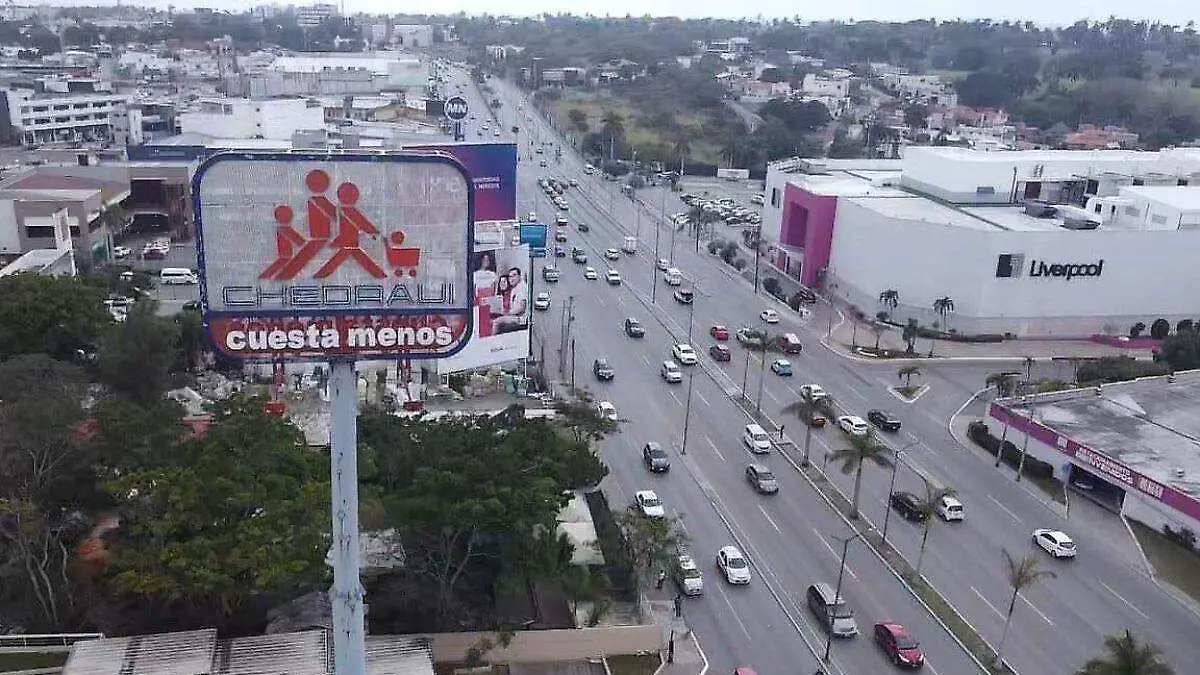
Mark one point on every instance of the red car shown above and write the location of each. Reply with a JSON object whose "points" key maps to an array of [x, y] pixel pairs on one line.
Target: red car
{"points": [[719, 353], [719, 332], [900, 647]]}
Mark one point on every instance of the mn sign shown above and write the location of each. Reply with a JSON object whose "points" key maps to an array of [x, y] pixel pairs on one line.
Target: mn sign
{"points": [[456, 108]]}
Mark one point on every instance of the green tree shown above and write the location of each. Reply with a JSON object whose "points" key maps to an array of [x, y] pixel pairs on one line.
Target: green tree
{"points": [[191, 344], [1022, 573], [47, 478], [50, 315], [473, 498], [652, 543], [859, 450], [240, 516], [907, 373], [134, 435], [944, 307], [890, 299], [1004, 384], [807, 409], [136, 355], [1127, 656]]}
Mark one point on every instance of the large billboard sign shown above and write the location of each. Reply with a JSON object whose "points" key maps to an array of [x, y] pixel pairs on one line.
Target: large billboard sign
{"points": [[493, 169], [320, 256], [501, 308]]}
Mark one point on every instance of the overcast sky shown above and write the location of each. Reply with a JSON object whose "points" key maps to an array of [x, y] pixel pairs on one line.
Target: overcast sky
{"points": [[1177, 12]]}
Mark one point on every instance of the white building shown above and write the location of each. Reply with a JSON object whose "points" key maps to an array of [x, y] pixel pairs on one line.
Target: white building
{"points": [[412, 36], [1033, 243], [340, 74], [315, 15], [91, 117], [928, 89], [820, 85], [245, 118]]}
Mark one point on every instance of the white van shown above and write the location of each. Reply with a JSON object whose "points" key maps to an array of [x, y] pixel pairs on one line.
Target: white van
{"points": [[177, 275], [673, 277], [755, 438]]}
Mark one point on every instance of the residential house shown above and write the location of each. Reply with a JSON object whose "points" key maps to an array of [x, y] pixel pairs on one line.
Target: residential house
{"points": [[1091, 137]]}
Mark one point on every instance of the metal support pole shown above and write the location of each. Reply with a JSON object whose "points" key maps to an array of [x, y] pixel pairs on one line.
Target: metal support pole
{"points": [[757, 256], [346, 594], [691, 315], [745, 374], [529, 311], [762, 376], [891, 487], [572, 363], [687, 413], [838, 593]]}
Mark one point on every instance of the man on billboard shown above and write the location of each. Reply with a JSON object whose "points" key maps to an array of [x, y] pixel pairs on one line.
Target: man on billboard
{"points": [[515, 301]]}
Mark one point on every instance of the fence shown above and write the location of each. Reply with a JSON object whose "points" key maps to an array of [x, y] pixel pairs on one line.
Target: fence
{"points": [[48, 642], [549, 645]]}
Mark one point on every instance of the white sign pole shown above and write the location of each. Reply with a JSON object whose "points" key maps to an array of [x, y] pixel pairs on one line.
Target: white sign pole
{"points": [[346, 595]]}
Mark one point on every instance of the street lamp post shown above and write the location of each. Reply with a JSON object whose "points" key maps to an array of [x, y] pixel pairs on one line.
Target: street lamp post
{"points": [[762, 376], [896, 459], [838, 592], [687, 413], [745, 375]]}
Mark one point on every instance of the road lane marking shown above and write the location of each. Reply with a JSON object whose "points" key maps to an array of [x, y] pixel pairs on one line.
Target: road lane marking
{"points": [[1004, 508], [674, 397], [733, 612], [600, 300], [769, 519], [1039, 612], [1127, 603], [706, 403], [645, 360], [714, 447], [985, 601], [836, 556]]}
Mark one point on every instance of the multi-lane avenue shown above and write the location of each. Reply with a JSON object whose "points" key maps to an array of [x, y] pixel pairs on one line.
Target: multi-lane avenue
{"points": [[793, 539]]}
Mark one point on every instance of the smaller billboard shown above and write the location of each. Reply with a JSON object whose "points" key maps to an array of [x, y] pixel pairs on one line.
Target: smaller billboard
{"points": [[501, 312], [312, 255]]}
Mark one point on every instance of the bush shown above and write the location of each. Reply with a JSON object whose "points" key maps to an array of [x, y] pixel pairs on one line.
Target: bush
{"points": [[714, 246], [739, 264], [1183, 537], [771, 285], [619, 566], [1034, 468], [977, 338], [1119, 369]]}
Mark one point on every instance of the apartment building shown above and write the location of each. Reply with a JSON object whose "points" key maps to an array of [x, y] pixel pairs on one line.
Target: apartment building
{"points": [[40, 207], [340, 74], [95, 117], [315, 15]]}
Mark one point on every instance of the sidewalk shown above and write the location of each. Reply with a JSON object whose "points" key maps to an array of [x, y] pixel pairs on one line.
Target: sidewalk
{"points": [[847, 332], [687, 658]]}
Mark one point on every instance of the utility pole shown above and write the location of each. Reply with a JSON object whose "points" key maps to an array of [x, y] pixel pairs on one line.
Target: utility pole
{"points": [[838, 592], [687, 413], [757, 256], [572, 363], [896, 459], [762, 376], [746, 375]]}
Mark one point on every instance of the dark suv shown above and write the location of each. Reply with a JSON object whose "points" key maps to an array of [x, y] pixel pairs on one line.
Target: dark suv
{"points": [[634, 329], [602, 370], [907, 505], [656, 458], [883, 420], [762, 479]]}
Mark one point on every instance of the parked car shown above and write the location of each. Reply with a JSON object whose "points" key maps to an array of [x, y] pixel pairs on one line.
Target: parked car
{"points": [[1054, 542], [607, 410], [769, 316], [884, 420], [655, 458], [720, 352], [649, 504], [907, 505], [762, 479], [602, 370], [634, 329], [688, 576], [899, 646]]}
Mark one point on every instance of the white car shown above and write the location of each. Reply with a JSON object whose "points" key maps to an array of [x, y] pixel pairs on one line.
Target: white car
{"points": [[813, 392], [663, 264], [122, 251], [607, 410], [649, 504], [560, 219], [1054, 542], [612, 254], [532, 217], [590, 274], [684, 354], [854, 425], [542, 301], [688, 576], [733, 565], [769, 316], [950, 509], [613, 277]]}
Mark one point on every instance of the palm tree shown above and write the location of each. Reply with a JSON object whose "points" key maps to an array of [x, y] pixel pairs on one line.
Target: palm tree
{"points": [[858, 451], [907, 372], [1126, 656], [682, 150], [1022, 573], [877, 329], [928, 507], [944, 307], [890, 299], [730, 148], [1028, 368], [807, 410]]}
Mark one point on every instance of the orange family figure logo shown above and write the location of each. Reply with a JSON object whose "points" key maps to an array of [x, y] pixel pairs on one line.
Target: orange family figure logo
{"points": [[295, 250]]}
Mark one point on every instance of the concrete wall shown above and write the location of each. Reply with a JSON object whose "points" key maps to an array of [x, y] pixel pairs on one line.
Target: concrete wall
{"points": [[1146, 275], [551, 645], [808, 223]]}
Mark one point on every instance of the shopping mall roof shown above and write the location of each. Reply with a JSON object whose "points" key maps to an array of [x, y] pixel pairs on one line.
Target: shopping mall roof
{"points": [[1151, 425]]}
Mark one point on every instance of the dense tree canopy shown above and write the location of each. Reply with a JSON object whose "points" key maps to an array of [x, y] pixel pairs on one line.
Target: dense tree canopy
{"points": [[50, 315]]}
